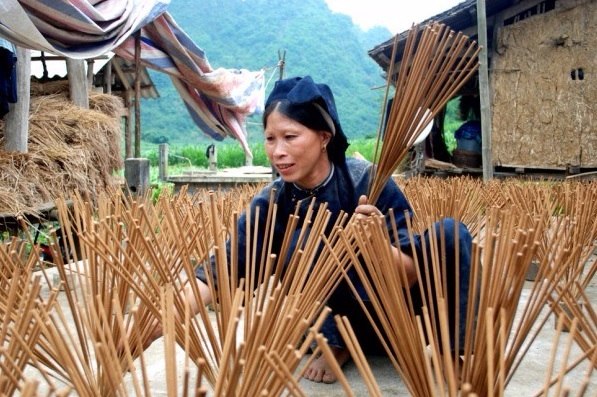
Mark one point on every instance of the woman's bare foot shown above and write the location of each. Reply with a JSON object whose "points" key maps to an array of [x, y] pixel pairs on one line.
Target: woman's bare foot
{"points": [[320, 370]]}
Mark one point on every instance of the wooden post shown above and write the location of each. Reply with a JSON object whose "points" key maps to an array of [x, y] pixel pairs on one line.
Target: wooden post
{"points": [[248, 159], [108, 78], [16, 130], [163, 161], [77, 82], [484, 95], [212, 157], [136, 174], [138, 94], [281, 65], [128, 125], [90, 63]]}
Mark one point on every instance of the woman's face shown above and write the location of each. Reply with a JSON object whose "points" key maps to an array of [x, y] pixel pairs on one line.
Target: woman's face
{"points": [[296, 151]]}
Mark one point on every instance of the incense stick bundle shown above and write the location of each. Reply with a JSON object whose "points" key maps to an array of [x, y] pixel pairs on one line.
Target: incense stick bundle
{"points": [[577, 202], [435, 65], [569, 299], [383, 282], [281, 312], [508, 246], [102, 290], [136, 260], [494, 342], [532, 318], [20, 300], [570, 207], [433, 199]]}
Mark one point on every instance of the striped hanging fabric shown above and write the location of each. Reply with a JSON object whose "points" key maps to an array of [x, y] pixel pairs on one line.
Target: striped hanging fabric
{"points": [[218, 100]]}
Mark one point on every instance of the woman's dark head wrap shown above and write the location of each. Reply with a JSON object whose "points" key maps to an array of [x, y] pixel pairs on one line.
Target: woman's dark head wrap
{"points": [[306, 102]]}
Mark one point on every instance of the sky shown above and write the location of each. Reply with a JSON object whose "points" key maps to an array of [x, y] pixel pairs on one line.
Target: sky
{"points": [[396, 16]]}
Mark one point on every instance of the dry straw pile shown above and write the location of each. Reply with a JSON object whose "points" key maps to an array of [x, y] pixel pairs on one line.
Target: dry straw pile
{"points": [[70, 149]]}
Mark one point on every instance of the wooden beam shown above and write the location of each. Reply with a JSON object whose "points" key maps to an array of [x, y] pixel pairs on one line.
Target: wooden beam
{"points": [[16, 131], [77, 81], [48, 58], [90, 63], [108, 77], [484, 96], [128, 126], [138, 94], [121, 76], [163, 161], [143, 87]]}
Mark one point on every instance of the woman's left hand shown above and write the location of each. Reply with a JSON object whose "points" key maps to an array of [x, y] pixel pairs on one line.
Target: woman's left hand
{"points": [[365, 210]]}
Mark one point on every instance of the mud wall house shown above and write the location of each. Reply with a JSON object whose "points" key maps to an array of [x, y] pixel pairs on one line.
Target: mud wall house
{"points": [[542, 57]]}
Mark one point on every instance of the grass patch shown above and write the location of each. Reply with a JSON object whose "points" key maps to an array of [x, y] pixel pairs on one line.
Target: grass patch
{"points": [[184, 159], [231, 155]]}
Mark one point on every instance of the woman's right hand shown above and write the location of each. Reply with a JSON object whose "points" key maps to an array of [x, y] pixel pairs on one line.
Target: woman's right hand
{"points": [[365, 210]]}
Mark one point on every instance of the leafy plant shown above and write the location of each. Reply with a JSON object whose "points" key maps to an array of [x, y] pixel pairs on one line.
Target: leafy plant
{"points": [[451, 123]]}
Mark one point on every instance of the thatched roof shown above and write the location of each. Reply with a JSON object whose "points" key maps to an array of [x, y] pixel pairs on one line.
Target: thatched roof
{"points": [[70, 149]]}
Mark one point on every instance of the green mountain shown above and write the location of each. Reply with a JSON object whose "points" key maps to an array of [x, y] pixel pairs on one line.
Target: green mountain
{"points": [[250, 34]]}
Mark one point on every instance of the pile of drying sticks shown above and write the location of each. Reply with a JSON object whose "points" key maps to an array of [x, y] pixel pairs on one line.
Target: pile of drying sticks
{"points": [[89, 334]]}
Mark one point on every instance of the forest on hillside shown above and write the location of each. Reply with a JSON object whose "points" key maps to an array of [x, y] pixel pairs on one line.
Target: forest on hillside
{"points": [[250, 34]]}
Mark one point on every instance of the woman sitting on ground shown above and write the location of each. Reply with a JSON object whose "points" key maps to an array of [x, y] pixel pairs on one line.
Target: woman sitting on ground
{"points": [[305, 143]]}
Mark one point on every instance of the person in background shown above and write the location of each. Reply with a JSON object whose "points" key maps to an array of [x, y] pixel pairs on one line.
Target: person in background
{"points": [[468, 134], [305, 143], [212, 157]]}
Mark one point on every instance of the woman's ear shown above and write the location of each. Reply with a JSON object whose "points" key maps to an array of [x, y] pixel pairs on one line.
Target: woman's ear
{"points": [[327, 137]]}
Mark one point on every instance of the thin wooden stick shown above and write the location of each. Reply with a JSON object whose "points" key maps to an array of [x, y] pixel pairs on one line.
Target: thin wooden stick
{"points": [[357, 355]]}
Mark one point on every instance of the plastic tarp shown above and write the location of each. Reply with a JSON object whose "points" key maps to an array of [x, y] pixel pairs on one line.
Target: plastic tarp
{"points": [[217, 99]]}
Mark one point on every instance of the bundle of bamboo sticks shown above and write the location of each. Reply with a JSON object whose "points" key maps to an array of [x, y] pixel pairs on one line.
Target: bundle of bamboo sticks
{"points": [[493, 344], [436, 63], [437, 198], [20, 303], [101, 353], [570, 207], [498, 331], [136, 263]]}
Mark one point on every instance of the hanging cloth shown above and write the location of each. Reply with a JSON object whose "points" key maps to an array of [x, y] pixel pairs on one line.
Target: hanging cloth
{"points": [[218, 100]]}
